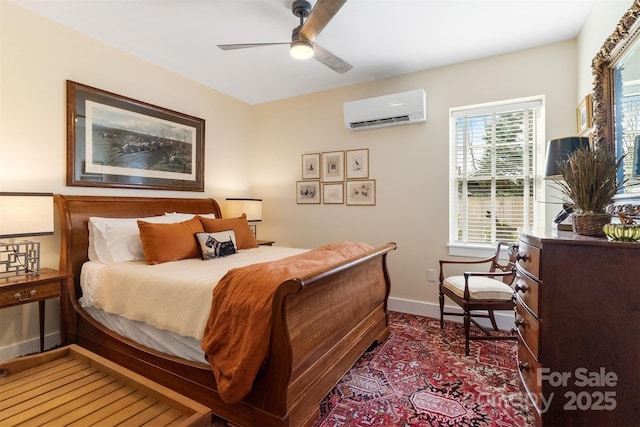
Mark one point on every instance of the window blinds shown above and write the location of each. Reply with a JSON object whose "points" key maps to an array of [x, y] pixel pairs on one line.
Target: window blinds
{"points": [[494, 170]]}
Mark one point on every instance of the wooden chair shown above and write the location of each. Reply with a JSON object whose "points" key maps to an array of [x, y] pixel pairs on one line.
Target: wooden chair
{"points": [[481, 291]]}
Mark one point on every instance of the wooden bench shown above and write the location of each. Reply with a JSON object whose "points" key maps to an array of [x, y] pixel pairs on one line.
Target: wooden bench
{"points": [[72, 386]]}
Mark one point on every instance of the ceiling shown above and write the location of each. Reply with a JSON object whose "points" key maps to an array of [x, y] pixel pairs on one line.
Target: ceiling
{"points": [[380, 38]]}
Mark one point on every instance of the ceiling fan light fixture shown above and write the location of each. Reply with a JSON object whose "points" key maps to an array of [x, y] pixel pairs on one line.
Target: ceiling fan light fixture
{"points": [[301, 49]]}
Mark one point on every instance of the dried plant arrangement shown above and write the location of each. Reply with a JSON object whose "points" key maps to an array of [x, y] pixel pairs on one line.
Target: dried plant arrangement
{"points": [[590, 181]]}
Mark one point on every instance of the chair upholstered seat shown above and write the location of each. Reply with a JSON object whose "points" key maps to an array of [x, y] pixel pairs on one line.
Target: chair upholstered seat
{"points": [[479, 292], [479, 288]]}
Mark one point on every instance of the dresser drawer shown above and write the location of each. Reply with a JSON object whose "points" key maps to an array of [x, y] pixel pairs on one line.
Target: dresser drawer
{"points": [[27, 293], [528, 329], [529, 370], [529, 259], [527, 289]]}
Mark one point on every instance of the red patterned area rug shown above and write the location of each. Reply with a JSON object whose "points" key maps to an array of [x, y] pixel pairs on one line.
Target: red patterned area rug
{"points": [[420, 377]]}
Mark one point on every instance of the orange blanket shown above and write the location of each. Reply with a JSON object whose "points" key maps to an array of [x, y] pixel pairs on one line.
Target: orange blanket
{"points": [[237, 335]]}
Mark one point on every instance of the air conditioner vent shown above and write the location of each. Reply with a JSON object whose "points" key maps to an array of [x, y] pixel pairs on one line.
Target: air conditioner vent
{"points": [[380, 122], [388, 110]]}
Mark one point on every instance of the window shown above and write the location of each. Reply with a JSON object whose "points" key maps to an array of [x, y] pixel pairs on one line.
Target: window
{"points": [[495, 150]]}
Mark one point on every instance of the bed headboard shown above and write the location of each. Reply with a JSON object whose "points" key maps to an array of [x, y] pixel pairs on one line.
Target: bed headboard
{"points": [[74, 213]]}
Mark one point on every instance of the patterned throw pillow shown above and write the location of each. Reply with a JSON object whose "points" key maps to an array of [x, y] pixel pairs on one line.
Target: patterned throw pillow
{"points": [[217, 245]]}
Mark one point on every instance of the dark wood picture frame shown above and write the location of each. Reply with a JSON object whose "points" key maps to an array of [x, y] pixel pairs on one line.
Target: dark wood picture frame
{"points": [[115, 141]]}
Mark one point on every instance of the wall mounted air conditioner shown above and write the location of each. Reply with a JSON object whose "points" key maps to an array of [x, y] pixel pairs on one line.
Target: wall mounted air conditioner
{"points": [[388, 110]]}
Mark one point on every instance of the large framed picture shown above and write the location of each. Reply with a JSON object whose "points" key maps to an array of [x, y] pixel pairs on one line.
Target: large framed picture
{"points": [[307, 192], [115, 141], [361, 192], [311, 166], [333, 166], [358, 163]]}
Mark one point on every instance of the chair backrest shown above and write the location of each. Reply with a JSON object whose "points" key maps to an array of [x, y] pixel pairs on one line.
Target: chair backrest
{"points": [[510, 264]]}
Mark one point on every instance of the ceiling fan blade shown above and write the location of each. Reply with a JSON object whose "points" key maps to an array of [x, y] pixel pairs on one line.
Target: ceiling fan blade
{"points": [[246, 45], [322, 13], [330, 60]]}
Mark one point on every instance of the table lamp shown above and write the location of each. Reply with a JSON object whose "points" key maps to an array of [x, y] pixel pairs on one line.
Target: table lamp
{"points": [[235, 207], [559, 150], [23, 215]]}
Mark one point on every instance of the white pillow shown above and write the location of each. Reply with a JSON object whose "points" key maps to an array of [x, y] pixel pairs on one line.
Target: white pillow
{"points": [[187, 216], [118, 239]]}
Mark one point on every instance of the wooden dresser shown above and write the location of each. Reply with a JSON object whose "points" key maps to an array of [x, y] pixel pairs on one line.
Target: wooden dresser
{"points": [[578, 320]]}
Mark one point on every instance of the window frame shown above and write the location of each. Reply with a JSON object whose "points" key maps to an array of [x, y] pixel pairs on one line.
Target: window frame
{"points": [[479, 249]]}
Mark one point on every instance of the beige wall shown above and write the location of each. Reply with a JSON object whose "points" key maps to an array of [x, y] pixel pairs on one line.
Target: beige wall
{"points": [[37, 57], [256, 150], [410, 163]]}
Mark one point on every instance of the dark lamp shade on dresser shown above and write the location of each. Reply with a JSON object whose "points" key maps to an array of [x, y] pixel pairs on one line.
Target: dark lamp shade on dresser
{"points": [[559, 150]]}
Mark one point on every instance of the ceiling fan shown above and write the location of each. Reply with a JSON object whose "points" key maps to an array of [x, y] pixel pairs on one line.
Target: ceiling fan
{"points": [[302, 37]]}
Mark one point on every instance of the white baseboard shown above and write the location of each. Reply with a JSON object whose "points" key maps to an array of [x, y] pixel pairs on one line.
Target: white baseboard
{"points": [[29, 347], [504, 319]]}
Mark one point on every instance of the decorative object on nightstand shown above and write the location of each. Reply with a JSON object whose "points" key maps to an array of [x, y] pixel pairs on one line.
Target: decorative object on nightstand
{"points": [[559, 150], [235, 207], [22, 215]]}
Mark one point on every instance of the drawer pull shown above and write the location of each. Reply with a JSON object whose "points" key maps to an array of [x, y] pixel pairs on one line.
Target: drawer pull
{"points": [[522, 258], [19, 297], [523, 366], [520, 322], [522, 288]]}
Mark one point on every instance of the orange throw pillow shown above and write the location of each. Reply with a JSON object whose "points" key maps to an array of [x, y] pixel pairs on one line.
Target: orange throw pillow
{"points": [[240, 226], [170, 242]]}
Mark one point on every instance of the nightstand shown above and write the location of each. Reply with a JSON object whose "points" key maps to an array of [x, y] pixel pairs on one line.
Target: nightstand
{"points": [[16, 290], [265, 242]]}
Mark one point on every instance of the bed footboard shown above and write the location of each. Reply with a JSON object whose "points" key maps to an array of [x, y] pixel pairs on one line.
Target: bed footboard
{"points": [[324, 323]]}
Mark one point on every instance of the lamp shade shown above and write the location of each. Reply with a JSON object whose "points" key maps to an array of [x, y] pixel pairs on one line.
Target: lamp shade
{"points": [[559, 150], [26, 214], [235, 207]]}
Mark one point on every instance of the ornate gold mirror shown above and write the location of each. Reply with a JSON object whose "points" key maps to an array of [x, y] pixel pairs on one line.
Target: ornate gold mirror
{"points": [[616, 97]]}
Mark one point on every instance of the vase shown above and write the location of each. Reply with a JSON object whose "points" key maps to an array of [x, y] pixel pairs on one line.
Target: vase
{"points": [[589, 224]]}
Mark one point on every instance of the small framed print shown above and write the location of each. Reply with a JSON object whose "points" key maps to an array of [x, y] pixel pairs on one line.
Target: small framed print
{"points": [[333, 166], [311, 166], [307, 192], [358, 163], [333, 194], [584, 115], [361, 192]]}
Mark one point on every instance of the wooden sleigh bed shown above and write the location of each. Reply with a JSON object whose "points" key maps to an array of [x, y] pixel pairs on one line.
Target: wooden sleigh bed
{"points": [[321, 322]]}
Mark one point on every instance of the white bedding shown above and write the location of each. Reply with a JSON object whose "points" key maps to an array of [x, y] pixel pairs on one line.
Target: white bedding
{"points": [[174, 296], [166, 342]]}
